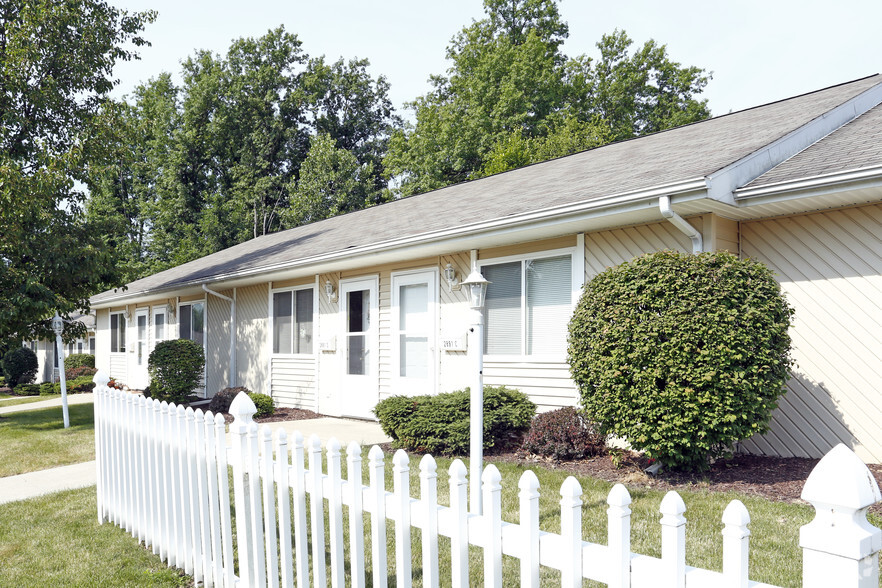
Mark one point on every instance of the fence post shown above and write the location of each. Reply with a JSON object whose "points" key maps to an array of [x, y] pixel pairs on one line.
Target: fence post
{"points": [[376, 472], [839, 546], [571, 531], [401, 487], [528, 500], [242, 409], [356, 510], [736, 541], [100, 379], [335, 512], [491, 485], [673, 541], [618, 517], [429, 499], [459, 537]]}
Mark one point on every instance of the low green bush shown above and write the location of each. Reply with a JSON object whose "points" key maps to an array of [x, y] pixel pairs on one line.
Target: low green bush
{"points": [[265, 405], [564, 434], [80, 385], [439, 424], [19, 366], [26, 390], [75, 360], [47, 388], [175, 369], [222, 400]]}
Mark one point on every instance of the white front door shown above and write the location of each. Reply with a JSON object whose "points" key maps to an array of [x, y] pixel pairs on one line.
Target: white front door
{"points": [[139, 376], [159, 329], [414, 327], [359, 390]]}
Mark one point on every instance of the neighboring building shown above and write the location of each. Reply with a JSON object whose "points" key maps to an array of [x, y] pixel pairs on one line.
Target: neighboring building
{"points": [[796, 184], [47, 353]]}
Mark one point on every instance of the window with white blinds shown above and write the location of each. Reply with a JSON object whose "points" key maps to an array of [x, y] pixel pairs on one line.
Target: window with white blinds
{"points": [[528, 306], [292, 321]]}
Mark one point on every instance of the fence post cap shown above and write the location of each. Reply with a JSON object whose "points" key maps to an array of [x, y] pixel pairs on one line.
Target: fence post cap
{"points": [[843, 480], [242, 409], [101, 378]]}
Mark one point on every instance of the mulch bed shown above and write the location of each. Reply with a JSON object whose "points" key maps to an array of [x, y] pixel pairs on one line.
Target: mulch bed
{"points": [[282, 414]]}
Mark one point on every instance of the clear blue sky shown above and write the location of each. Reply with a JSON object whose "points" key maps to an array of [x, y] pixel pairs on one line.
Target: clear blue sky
{"points": [[758, 50]]}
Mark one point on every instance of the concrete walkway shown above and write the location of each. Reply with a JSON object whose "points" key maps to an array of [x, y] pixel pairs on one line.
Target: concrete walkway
{"points": [[33, 484]]}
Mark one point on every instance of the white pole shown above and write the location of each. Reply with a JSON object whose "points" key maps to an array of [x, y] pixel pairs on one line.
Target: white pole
{"points": [[476, 413], [63, 378]]}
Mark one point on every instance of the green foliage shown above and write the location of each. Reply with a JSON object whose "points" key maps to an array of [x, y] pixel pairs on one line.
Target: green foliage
{"points": [[564, 434], [511, 97], [217, 160], [439, 424], [680, 354], [77, 372], [56, 62], [75, 360], [265, 405], [222, 400], [175, 369], [47, 388], [78, 385], [19, 366], [26, 390]]}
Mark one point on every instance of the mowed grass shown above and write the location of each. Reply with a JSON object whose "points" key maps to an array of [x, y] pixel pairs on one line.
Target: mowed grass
{"points": [[14, 400], [55, 540], [36, 439]]}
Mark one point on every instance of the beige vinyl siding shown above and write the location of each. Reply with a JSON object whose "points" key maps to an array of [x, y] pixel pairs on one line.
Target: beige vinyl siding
{"points": [[293, 381], [118, 368], [604, 249], [102, 340], [548, 384], [217, 343], [252, 338], [829, 266]]}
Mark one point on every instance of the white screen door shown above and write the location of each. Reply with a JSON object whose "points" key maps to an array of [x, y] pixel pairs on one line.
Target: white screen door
{"points": [[360, 383], [142, 349], [414, 304]]}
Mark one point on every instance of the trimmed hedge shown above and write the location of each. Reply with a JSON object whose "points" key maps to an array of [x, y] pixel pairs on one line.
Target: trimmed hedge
{"points": [[222, 400], [564, 434], [682, 355], [265, 405], [439, 424], [26, 390], [19, 366], [75, 360], [175, 369]]}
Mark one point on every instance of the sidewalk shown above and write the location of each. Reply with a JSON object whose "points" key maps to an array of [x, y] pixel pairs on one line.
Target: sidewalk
{"points": [[33, 484]]}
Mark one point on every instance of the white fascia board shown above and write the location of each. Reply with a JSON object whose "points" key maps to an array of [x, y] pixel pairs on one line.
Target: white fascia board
{"points": [[447, 239], [722, 184], [848, 177]]}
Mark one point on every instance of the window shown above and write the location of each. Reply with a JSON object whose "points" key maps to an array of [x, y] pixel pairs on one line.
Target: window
{"points": [[528, 306], [92, 345], [292, 321], [192, 322], [117, 333]]}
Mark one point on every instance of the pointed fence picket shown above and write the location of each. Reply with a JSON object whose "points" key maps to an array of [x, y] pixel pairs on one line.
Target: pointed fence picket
{"points": [[163, 476]]}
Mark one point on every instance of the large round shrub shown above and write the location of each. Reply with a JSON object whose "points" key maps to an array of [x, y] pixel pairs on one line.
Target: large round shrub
{"points": [[440, 423], [680, 354], [75, 360], [175, 369], [20, 366]]}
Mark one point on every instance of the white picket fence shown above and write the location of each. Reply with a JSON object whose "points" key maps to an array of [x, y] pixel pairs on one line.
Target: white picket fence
{"points": [[163, 476]]}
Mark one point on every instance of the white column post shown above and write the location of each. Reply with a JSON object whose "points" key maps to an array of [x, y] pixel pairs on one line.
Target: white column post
{"points": [[57, 325], [476, 413], [839, 547]]}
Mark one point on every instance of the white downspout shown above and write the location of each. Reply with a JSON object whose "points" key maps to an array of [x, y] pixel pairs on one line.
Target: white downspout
{"points": [[232, 372], [664, 206]]}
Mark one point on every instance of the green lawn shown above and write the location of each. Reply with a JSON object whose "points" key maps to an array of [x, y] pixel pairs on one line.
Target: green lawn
{"points": [[36, 439], [14, 400], [56, 540]]}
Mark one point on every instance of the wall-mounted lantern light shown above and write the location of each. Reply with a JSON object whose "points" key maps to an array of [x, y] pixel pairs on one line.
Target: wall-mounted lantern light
{"points": [[450, 276], [330, 292]]}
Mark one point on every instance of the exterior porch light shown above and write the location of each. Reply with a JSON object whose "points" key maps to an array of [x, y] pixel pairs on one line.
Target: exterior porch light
{"points": [[450, 276], [58, 327], [477, 288], [329, 291]]}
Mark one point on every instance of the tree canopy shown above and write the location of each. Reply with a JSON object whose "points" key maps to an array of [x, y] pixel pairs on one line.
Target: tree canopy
{"points": [[56, 62], [218, 160], [511, 97]]}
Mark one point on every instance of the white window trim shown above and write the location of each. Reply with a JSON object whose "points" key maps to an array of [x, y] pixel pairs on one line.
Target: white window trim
{"points": [[110, 330], [204, 319], [401, 384], [576, 272], [315, 315], [151, 325]]}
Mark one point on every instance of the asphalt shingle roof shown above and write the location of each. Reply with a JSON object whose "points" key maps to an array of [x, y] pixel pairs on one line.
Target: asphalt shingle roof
{"points": [[854, 146], [681, 154]]}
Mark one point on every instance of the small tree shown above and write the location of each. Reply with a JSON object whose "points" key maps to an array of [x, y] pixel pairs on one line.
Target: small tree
{"points": [[175, 369], [20, 366], [681, 354]]}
